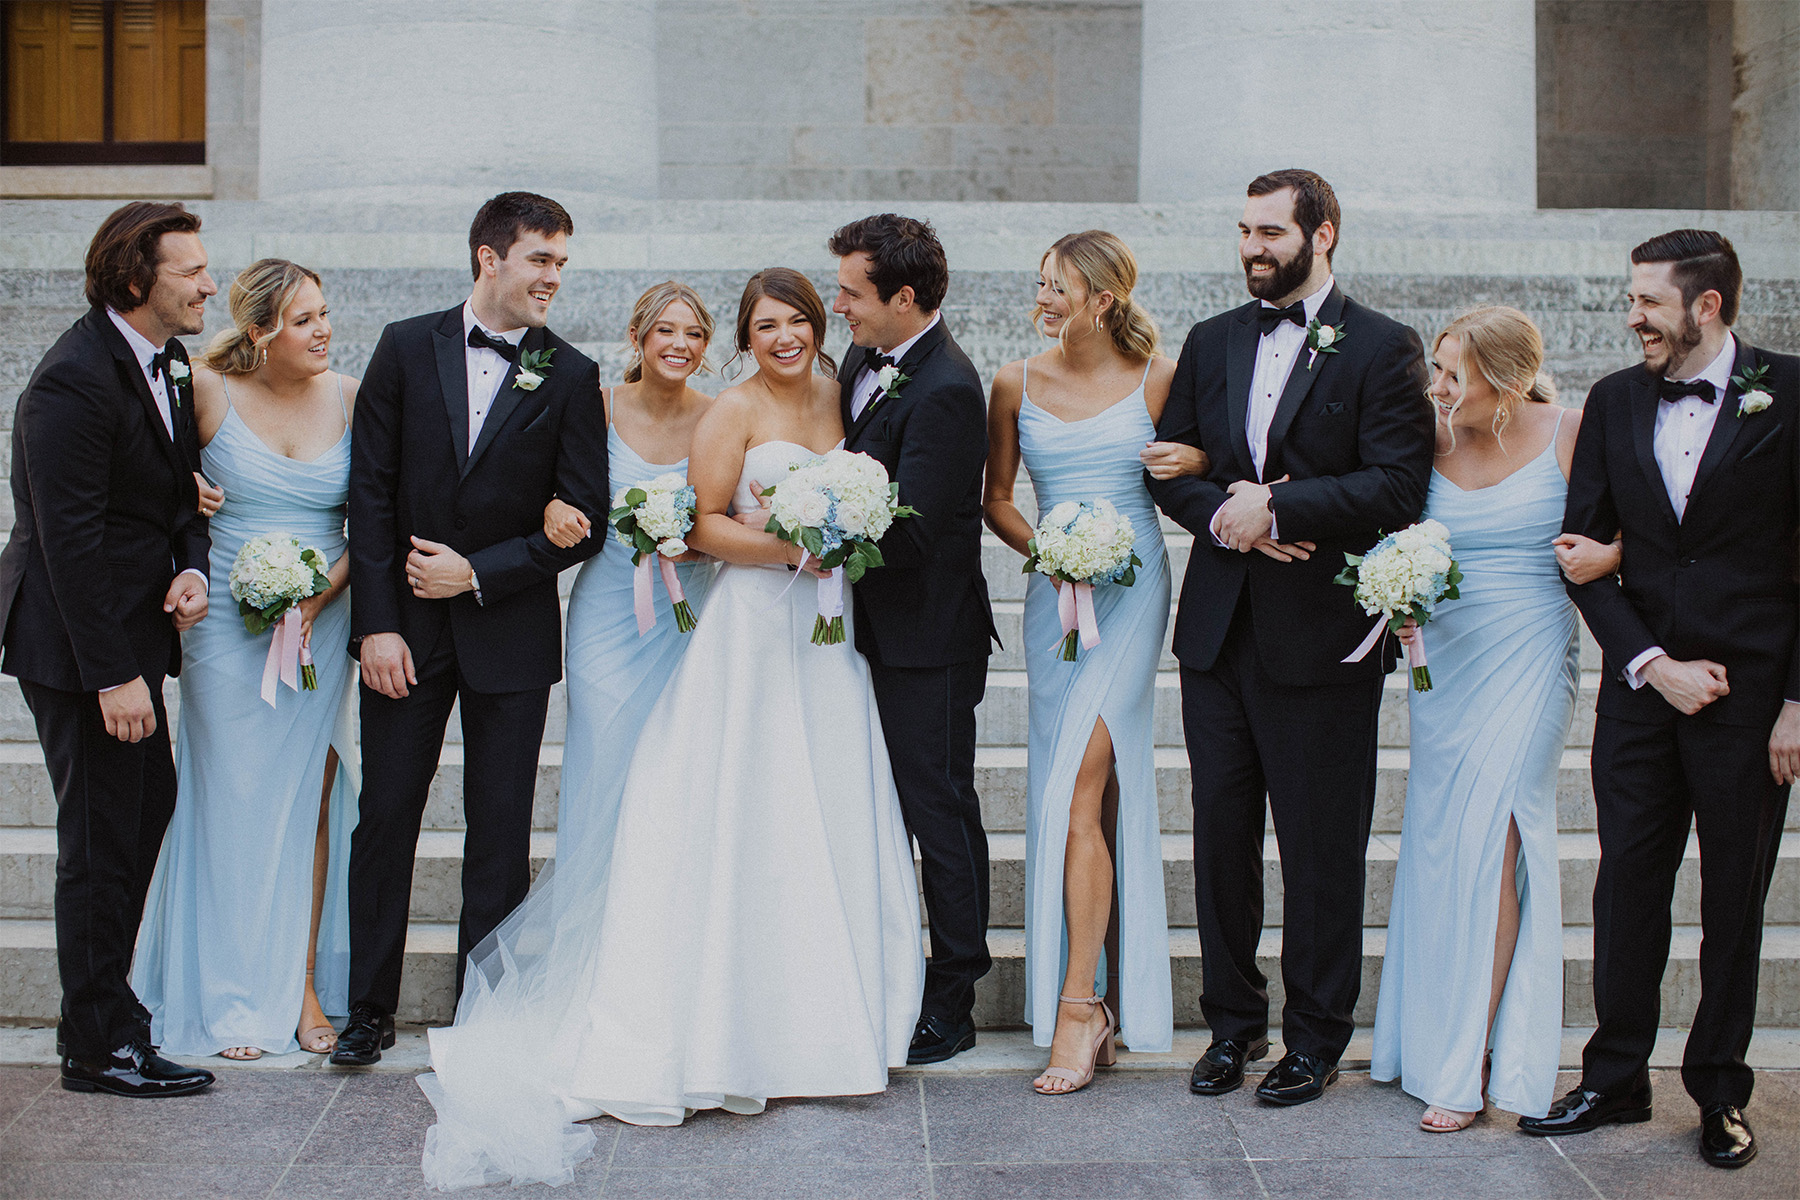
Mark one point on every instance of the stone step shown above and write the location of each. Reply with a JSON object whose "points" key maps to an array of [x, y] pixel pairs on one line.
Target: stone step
{"points": [[29, 992], [28, 877]]}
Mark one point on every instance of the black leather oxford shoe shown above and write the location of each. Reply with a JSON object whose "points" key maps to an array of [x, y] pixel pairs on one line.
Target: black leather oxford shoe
{"points": [[1585, 1109], [1725, 1137], [938, 1038], [1296, 1079], [136, 1071], [368, 1032], [1221, 1068]]}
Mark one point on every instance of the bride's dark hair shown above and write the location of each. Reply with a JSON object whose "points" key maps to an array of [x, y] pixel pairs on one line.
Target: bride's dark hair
{"points": [[796, 291]]}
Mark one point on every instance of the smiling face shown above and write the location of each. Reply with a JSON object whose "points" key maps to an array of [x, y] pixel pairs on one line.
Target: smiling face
{"points": [[177, 300], [1062, 297], [672, 343], [1453, 387], [303, 345], [1281, 264], [515, 292], [1668, 330], [873, 321], [782, 341]]}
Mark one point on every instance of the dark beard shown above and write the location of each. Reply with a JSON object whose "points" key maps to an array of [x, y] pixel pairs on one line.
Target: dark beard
{"points": [[1287, 277], [1679, 343]]}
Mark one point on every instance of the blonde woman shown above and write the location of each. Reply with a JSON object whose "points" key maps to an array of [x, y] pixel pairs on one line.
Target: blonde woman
{"points": [[1082, 417], [244, 946], [615, 673], [1473, 971]]}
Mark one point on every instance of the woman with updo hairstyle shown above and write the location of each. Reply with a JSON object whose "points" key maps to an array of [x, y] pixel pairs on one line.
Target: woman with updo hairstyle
{"points": [[615, 673], [1471, 984], [1081, 416], [244, 947]]}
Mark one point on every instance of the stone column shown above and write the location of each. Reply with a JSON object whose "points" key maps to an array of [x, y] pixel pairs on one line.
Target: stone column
{"points": [[1404, 104], [449, 102], [1765, 111]]}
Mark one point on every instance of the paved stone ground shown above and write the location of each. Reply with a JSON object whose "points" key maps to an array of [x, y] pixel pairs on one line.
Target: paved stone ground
{"points": [[936, 1133]]}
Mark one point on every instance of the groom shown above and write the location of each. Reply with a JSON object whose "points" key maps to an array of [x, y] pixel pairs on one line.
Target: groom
{"points": [[1695, 457], [1313, 409], [468, 422], [923, 619]]}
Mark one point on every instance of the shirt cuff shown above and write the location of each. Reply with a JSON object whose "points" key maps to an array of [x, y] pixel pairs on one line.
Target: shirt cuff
{"points": [[1274, 527], [115, 687], [1212, 527], [204, 582], [1634, 669]]}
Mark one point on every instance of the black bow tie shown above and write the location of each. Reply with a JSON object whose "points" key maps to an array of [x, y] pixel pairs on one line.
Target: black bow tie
{"points": [[1674, 390], [874, 359], [1269, 319], [159, 363], [481, 339]]}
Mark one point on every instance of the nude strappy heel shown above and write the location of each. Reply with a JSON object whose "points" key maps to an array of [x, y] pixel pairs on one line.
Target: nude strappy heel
{"points": [[1101, 1053]]}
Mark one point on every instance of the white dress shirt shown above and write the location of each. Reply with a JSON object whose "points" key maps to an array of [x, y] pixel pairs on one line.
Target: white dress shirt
{"points": [[1683, 428], [1276, 353], [865, 388], [486, 370], [146, 350]]}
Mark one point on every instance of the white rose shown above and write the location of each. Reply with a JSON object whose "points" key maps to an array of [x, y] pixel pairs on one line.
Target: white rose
{"points": [[884, 378], [671, 548], [1326, 336], [812, 508], [178, 370], [1754, 402], [527, 381]]}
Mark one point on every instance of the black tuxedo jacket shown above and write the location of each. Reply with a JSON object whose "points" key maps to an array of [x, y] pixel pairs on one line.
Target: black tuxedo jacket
{"points": [[928, 606], [411, 472], [1354, 431], [104, 517], [1720, 583]]}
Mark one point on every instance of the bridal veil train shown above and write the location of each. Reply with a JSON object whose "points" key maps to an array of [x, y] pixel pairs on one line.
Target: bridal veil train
{"points": [[753, 933]]}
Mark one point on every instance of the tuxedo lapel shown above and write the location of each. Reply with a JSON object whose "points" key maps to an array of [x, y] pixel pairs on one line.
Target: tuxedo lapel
{"points": [[505, 400], [453, 380], [1643, 398], [1307, 369], [847, 374], [1727, 426], [1240, 369], [915, 357], [131, 374]]}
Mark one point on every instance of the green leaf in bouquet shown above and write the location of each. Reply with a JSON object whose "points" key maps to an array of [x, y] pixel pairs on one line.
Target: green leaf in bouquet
{"points": [[1129, 578], [1031, 558], [905, 510], [813, 541], [854, 566], [1346, 576], [635, 497], [644, 542], [619, 514], [871, 554]]}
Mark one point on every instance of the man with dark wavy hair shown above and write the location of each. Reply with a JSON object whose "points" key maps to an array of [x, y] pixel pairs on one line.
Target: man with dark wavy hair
{"points": [[105, 569], [1695, 456]]}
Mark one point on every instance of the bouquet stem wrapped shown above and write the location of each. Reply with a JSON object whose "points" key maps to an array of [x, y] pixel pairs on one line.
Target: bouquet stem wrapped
{"points": [[653, 520], [1403, 578], [271, 575], [1082, 544]]}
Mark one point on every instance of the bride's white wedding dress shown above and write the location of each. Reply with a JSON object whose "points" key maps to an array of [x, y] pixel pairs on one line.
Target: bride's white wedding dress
{"points": [[754, 933]]}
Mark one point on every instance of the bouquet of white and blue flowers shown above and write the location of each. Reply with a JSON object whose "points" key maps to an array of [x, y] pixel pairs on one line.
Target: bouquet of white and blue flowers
{"points": [[1404, 577], [1083, 544], [652, 519], [835, 507], [271, 575]]}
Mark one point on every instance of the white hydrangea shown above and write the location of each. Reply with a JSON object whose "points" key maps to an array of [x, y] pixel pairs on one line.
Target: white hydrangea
{"points": [[1405, 569], [1085, 542], [844, 494], [665, 515], [270, 569]]}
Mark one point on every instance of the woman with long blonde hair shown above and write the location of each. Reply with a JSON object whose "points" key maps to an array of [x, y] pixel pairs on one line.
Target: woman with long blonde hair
{"points": [[244, 948], [1471, 985], [1081, 416]]}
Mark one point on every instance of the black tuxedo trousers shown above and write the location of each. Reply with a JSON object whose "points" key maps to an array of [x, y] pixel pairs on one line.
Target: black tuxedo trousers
{"points": [[1311, 749], [501, 734]]}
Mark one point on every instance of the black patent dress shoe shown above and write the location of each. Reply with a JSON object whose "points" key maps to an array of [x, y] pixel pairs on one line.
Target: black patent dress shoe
{"points": [[1296, 1079], [368, 1032], [1725, 1137], [1221, 1068], [136, 1071], [936, 1039], [1585, 1109]]}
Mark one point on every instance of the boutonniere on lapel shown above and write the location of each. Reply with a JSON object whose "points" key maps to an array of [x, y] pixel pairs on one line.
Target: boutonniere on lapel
{"points": [[181, 376], [889, 380], [1321, 339], [533, 366], [1753, 391]]}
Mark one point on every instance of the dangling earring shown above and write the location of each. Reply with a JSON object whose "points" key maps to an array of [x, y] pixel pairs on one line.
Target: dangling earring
{"points": [[1096, 322]]}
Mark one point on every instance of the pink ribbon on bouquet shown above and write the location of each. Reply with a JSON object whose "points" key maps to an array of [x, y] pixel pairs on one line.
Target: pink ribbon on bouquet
{"points": [[1075, 606], [285, 650], [1415, 652], [643, 586]]}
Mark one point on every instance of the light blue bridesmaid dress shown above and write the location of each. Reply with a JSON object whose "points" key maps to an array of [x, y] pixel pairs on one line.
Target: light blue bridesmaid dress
{"points": [[614, 675], [221, 955], [1486, 744], [1116, 680]]}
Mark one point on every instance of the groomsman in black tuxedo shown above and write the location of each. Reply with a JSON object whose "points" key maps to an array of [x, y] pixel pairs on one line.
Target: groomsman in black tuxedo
{"points": [[1695, 457], [923, 619], [468, 422], [1312, 408], [106, 567]]}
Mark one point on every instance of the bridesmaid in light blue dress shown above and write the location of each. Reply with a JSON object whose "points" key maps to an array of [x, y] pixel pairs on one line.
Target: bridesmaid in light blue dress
{"points": [[1474, 944], [614, 674], [244, 942], [1082, 416]]}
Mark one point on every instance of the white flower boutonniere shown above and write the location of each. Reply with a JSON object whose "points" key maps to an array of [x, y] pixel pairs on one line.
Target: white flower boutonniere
{"points": [[1321, 339], [889, 379], [1753, 391], [533, 366], [180, 376]]}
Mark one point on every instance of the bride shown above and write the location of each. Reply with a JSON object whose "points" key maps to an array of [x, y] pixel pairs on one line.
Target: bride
{"points": [[755, 930]]}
